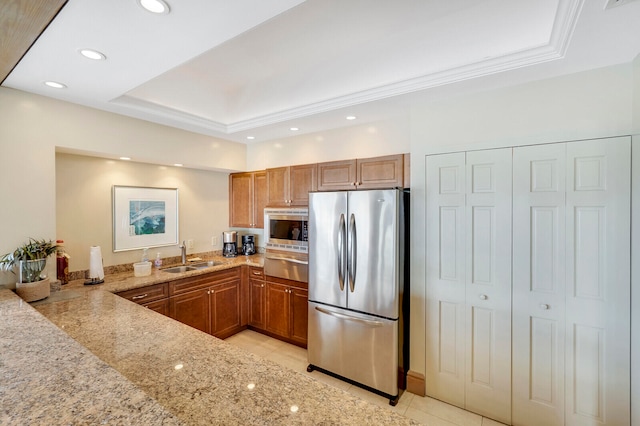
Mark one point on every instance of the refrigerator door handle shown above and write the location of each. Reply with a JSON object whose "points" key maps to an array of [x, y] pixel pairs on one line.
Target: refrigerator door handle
{"points": [[341, 251], [350, 318], [353, 252]]}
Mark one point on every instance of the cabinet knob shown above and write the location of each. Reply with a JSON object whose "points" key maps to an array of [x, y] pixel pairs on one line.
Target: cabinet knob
{"points": [[261, 285], [483, 297], [544, 306]]}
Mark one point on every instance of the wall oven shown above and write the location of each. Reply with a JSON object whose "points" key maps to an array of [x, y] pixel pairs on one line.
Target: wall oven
{"points": [[286, 238]]}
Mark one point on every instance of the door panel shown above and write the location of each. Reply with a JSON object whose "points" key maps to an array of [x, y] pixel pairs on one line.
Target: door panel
{"points": [[376, 217], [538, 284], [598, 282], [488, 283], [325, 236], [445, 269]]}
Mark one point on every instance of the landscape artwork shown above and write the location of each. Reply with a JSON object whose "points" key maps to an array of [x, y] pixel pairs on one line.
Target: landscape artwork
{"points": [[146, 217]]}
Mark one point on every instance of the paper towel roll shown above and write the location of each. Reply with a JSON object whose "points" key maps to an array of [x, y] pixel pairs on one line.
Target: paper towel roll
{"points": [[95, 263]]}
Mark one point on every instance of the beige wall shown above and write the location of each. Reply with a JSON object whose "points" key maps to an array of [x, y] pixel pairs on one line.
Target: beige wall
{"points": [[357, 141], [84, 209], [33, 127]]}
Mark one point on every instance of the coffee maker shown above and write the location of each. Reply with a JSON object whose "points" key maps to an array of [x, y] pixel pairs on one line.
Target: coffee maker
{"points": [[248, 245], [229, 244]]}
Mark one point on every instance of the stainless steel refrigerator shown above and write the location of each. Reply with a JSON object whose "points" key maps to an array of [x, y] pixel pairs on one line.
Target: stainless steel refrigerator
{"points": [[357, 287]]}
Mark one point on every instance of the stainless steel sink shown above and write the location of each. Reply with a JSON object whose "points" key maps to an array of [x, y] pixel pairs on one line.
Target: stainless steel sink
{"points": [[179, 269], [203, 265], [191, 267]]}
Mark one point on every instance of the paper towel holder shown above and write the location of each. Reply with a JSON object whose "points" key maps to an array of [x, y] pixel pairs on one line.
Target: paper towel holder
{"points": [[93, 281], [96, 271]]}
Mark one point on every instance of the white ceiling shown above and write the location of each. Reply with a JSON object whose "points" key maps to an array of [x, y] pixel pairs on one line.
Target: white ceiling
{"points": [[231, 69]]}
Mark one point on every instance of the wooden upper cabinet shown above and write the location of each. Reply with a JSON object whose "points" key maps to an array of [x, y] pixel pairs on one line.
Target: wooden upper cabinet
{"points": [[337, 175], [363, 173], [380, 172], [247, 199], [290, 186]]}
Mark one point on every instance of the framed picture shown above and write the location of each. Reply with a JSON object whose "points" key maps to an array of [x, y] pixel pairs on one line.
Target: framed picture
{"points": [[144, 217]]}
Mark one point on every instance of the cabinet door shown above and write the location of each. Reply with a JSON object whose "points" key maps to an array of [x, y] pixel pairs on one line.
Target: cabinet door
{"points": [[278, 187], [299, 315], [192, 309], [225, 308], [337, 175], [278, 316], [241, 200], [302, 180], [380, 172], [259, 199], [258, 302]]}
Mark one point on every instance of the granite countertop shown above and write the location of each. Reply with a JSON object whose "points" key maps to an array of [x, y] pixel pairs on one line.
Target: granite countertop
{"points": [[104, 359]]}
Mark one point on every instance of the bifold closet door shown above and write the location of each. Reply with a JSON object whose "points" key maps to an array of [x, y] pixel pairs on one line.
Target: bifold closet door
{"points": [[445, 276], [598, 293], [488, 283], [468, 228], [539, 199], [571, 284]]}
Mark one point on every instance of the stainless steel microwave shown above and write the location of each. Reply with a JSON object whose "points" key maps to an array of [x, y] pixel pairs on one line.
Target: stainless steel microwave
{"points": [[286, 229]]}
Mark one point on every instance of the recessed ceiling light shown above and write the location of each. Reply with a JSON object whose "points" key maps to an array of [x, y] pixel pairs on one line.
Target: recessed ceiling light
{"points": [[93, 54], [251, 137], [293, 129], [55, 84], [155, 6], [178, 164], [125, 158], [351, 117]]}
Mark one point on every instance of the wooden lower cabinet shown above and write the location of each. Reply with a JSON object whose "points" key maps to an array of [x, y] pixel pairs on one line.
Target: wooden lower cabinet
{"points": [[154, 297], [287, 310], [257, 299], [191, 308], [213, 307], [224, 309], [223, 303]]}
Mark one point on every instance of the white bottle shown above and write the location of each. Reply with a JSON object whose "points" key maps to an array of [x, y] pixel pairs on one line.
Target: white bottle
{"points": [[158, 261]]}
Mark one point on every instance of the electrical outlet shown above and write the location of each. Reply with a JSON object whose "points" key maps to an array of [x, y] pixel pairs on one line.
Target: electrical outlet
{"points": [[214, 241], [189, 244]]}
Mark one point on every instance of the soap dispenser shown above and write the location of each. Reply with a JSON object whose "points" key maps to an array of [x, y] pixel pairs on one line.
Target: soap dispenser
{"points": [[158, 261], [145, 255]]}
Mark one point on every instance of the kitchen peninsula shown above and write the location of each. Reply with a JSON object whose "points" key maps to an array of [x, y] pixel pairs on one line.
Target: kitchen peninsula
{"points": [[122, 363]]}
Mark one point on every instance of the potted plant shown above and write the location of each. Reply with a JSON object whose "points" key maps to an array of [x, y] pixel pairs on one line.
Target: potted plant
{"points": [[31, 259]]}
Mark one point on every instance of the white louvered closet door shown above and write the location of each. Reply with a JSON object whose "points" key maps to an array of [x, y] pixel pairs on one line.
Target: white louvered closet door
{"points": [[598, 282], [469, 281], [539, 199], [445, 275]]}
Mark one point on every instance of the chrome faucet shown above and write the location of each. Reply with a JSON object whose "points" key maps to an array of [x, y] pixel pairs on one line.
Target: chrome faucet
{"points": [[183, 253]]}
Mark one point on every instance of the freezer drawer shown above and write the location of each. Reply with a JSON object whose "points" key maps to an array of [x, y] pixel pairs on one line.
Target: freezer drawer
{"points": [[359, 347]]}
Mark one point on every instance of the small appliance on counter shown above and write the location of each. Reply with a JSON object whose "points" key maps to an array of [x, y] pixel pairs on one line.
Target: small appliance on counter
{"points": [[248, 245], [229, 244]]}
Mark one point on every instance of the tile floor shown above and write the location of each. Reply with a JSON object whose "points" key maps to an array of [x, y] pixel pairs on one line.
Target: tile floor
{"points": [[425, 410]]}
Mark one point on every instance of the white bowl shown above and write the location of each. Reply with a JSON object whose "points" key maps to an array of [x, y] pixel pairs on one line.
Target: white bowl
{"points": [[142, 269]]}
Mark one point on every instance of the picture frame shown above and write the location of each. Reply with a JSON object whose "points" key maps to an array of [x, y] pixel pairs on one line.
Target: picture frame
{"points": [[144, 217]]}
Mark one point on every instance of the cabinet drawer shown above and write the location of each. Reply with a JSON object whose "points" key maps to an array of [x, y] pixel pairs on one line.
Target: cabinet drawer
{"points": [[146, 294], [203, 281], [256, 273]]}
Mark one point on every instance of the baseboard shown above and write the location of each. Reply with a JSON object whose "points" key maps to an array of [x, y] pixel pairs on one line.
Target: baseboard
{"points": [[416, 383]]}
